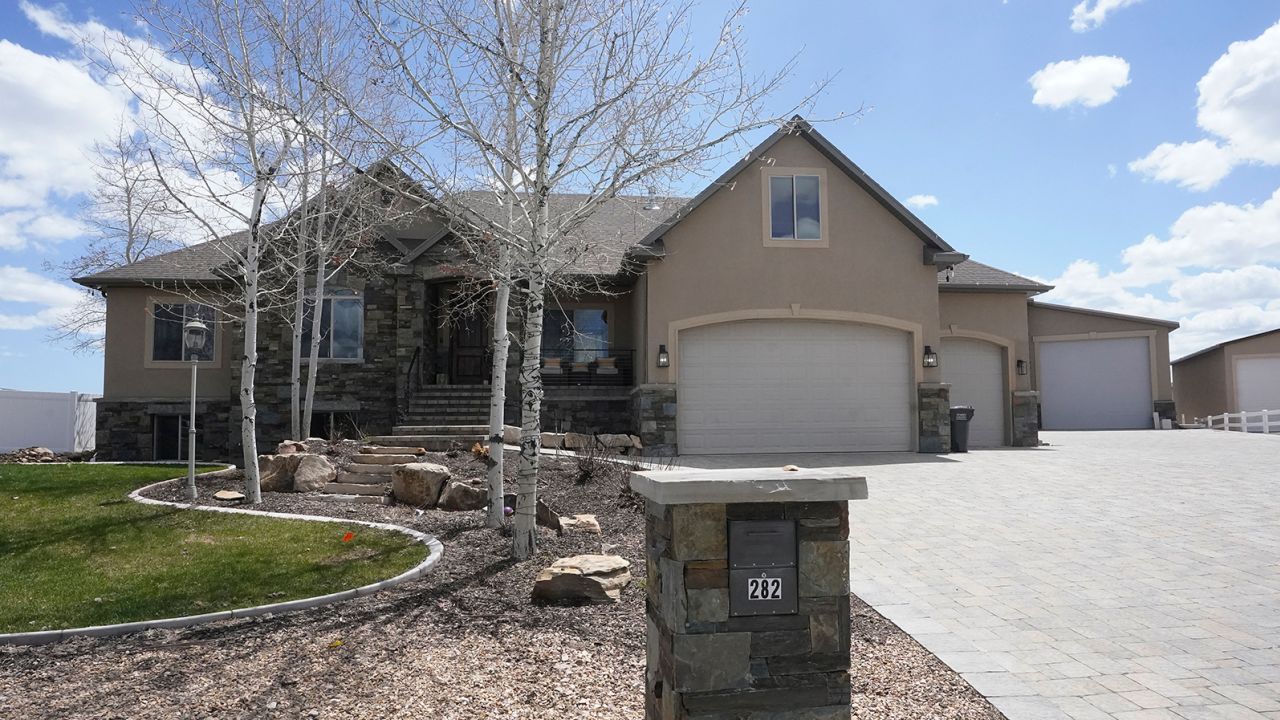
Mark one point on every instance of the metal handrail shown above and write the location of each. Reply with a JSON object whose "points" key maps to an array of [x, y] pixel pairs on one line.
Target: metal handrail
{"points": [[577, 366], [412, 383]]}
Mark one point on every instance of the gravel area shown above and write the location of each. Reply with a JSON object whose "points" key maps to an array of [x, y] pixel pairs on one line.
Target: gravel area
{"points": [[464, 642]]}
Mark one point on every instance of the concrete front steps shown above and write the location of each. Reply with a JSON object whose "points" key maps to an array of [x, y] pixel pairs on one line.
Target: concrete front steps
{"points": [[436, 438], [449, 405], [367, 479]]}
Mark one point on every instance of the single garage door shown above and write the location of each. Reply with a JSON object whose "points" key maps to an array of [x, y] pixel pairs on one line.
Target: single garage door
{"points": [[975, 370], [1257, 384], [1095, 384], [773, 386]]}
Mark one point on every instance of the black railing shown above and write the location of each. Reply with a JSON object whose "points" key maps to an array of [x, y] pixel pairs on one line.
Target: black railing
{"points": [[412, 382], [608, 366]]}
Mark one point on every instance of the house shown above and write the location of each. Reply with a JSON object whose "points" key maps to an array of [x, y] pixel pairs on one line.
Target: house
{"points": [[793, 305], [1241, 375]]}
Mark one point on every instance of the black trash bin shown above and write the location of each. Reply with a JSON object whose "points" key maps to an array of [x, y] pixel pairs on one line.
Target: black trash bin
{"points": [[960, 417]]}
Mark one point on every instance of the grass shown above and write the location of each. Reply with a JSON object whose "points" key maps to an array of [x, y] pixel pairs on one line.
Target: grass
{"points": [[75, 551]]}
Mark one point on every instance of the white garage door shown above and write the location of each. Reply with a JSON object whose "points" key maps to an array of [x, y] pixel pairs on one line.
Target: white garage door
{"points": [[976, 372], [774, 386], [1257, 384], [1095, 384]]}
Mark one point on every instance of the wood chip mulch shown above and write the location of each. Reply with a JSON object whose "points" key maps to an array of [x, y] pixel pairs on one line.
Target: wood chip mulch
{"points": [[465, 642]]}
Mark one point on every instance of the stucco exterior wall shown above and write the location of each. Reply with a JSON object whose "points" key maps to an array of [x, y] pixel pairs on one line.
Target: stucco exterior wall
{"points": [[1055, 322], [1200, 386], [717, 262], [129, 372], [1000, 318]]}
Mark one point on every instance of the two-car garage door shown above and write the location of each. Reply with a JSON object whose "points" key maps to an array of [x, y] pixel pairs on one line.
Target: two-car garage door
{"points": [[769, 386]]}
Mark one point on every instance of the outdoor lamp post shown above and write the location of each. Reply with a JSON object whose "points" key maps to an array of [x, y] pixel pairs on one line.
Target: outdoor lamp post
{"points": [[193, 337]]}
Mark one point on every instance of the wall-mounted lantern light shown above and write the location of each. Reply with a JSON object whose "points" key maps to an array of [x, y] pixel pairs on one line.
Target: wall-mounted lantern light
{"points": [[664, 360], [1022, 367], [930, 357]]}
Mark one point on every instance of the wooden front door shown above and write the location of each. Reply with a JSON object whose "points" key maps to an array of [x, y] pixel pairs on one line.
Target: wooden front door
{"points": [[469, 350]]}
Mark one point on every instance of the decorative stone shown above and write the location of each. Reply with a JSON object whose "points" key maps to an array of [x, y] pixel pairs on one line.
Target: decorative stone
{"points": [[312, 473], [228, 496], [510, 435], [275, 472], [697, 532], [468, 495], [824, 568], [419, 484], [552, 440], [708, 605], [636, 442], [717, 661], [578, 441], [289, 447], [596, 578], [614, 441], [580, 524]]}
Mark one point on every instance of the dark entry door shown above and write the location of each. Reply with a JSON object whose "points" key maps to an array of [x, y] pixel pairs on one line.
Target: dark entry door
{"points": [[469, 350]]}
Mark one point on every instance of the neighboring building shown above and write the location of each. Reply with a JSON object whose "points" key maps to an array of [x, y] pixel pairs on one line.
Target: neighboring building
{"points": [[1241, 375], [792, 305]]}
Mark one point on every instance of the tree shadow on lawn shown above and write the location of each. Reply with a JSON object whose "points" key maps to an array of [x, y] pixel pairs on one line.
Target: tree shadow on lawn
{"points": [[92, 533]]}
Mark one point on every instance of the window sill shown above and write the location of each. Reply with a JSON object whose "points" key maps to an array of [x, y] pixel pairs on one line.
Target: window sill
{"points": [[820, 243], [334, 361], [176, 364]]}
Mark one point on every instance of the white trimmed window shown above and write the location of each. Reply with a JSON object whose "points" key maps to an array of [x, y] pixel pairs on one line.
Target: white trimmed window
{"points": [[795, 207], [168, 319], [341, 325]]}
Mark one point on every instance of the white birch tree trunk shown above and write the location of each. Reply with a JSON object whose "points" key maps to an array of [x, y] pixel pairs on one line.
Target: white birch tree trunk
{"points": [[526, 528], [248, 368], [313, 352], [497, 403], [295, 361]]}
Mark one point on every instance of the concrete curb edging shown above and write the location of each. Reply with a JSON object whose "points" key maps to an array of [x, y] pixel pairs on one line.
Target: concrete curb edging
{"points": [[435, 547]]}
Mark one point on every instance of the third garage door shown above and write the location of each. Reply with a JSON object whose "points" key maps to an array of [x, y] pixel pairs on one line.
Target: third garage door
{"points": [[975, 370], [772, 386], [1102, 384]]}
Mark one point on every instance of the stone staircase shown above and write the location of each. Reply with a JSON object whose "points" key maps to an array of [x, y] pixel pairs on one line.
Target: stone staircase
{"points": [[367, 479]]}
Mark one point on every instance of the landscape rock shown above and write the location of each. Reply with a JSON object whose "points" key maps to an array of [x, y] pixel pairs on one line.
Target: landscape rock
{"points": [[614, 441], [543, 514], [510, 435], [596, 578], [552, 440], [580, 523], [578, 441], [419, 484], [635, 442], [312, 472], [275, 472], [289, 447], [466, 495], [228, 496]]}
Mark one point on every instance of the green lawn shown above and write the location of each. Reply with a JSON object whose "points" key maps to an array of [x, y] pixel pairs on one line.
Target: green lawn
{"points": [[75, 551]]}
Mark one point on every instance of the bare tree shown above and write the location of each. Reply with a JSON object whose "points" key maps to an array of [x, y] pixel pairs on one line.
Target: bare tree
{"points": [[131, 218], [537, 99]]}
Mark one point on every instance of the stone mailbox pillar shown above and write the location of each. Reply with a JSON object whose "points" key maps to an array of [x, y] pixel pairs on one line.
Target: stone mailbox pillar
{"points": [[748, 593]]}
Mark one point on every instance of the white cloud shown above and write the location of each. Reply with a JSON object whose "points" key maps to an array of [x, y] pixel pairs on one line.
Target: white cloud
{"points": [[1217, 272], [23, 287], [922, 201], [1197, 165], [1239, 105], [1085, 17], [1090, 81]]}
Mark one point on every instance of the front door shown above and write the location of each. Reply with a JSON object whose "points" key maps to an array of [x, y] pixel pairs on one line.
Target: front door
{"points": [[469, 350]]}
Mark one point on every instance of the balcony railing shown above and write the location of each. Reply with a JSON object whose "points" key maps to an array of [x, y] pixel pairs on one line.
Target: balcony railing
{"points": [[607, 367]]}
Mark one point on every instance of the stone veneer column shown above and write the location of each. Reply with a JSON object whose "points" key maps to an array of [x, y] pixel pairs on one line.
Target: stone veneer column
{"points": [[1026, 418], [934, 413], [705, 664], [654, 408]]}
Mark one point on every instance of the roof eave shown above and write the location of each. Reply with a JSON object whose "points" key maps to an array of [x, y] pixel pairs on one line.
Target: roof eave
{"points": [[1171, 324]]}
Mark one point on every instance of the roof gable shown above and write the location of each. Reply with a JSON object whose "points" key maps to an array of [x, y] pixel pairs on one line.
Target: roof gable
{"points": [[799, 127]]}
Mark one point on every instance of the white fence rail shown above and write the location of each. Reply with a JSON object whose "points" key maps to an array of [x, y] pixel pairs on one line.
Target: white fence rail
{"points": [[1259, 421], [62, 422]]}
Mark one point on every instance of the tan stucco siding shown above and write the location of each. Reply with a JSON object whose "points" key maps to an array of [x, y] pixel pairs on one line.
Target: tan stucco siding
{"points": [[1200, 386], [1049, 322], [717, 264], [129, 372], [1000, 318]]}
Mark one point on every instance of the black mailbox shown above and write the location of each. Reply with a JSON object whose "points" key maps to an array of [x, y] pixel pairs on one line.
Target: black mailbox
{"points": [[762, 567]]}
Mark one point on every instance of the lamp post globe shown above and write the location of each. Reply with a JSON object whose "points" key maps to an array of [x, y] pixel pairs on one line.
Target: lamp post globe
{"points": [[194, 334]]}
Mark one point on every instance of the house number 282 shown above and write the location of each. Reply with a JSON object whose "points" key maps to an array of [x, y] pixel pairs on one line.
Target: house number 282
{"points": [[764, 588]]}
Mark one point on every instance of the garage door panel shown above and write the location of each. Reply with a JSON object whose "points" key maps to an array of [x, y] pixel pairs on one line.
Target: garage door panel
{"points": [[1257, 384], [782, 386], [1095, 384], [976, 372]]}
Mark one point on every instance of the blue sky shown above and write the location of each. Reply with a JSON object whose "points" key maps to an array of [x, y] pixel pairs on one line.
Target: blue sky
{"points": [[1138, 172]]}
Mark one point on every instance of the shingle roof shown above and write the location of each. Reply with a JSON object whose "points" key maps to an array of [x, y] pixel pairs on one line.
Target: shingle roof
{"points": [[973, 275], [194, 263], [1223, 344]]}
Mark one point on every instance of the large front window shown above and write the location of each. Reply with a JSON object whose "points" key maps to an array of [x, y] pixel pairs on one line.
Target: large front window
{"points": [[793, 207], [341, 326], [581, 335], [166, 331]]}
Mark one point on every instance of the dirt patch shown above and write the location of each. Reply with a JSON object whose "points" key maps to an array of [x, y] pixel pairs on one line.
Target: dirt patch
{"points": [[464, 642]]}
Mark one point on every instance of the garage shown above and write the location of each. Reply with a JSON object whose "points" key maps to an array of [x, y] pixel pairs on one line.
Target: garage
{"points": [[1102, 384], [773, 386], [1257, 383], [976, 371]]}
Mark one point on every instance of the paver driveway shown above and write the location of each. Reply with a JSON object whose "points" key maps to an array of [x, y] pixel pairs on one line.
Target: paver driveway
{"points": [[1125, 575]]}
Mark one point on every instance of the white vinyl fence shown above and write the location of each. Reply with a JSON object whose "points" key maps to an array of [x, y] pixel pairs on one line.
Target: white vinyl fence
{"points": [[1259, 421], [62, 422]]}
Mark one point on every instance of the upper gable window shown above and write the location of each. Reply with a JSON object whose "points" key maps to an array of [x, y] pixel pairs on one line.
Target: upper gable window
{"points": [[168, 321], [795, 207]]}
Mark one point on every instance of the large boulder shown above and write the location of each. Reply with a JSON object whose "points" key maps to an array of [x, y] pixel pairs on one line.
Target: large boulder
{"points": [[289, 447], [595, 578], [465, 495], [275, 472], [580, 524], [419, 484], [553, 441], [510, 435], [312, 473], [578, 441], [614, 441]]}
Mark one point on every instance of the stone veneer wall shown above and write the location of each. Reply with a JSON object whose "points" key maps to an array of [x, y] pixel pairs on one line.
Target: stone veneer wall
{"points": [[653, 407], [125, 428], [934, 417], [704, 664], [1026, 418], [577, 408]]}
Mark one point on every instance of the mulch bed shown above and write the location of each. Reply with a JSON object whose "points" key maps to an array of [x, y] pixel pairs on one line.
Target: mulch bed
{"points": [[464, 642]]}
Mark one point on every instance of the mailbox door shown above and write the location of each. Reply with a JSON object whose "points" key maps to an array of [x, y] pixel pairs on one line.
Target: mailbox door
{"points": [[762, 543]]}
